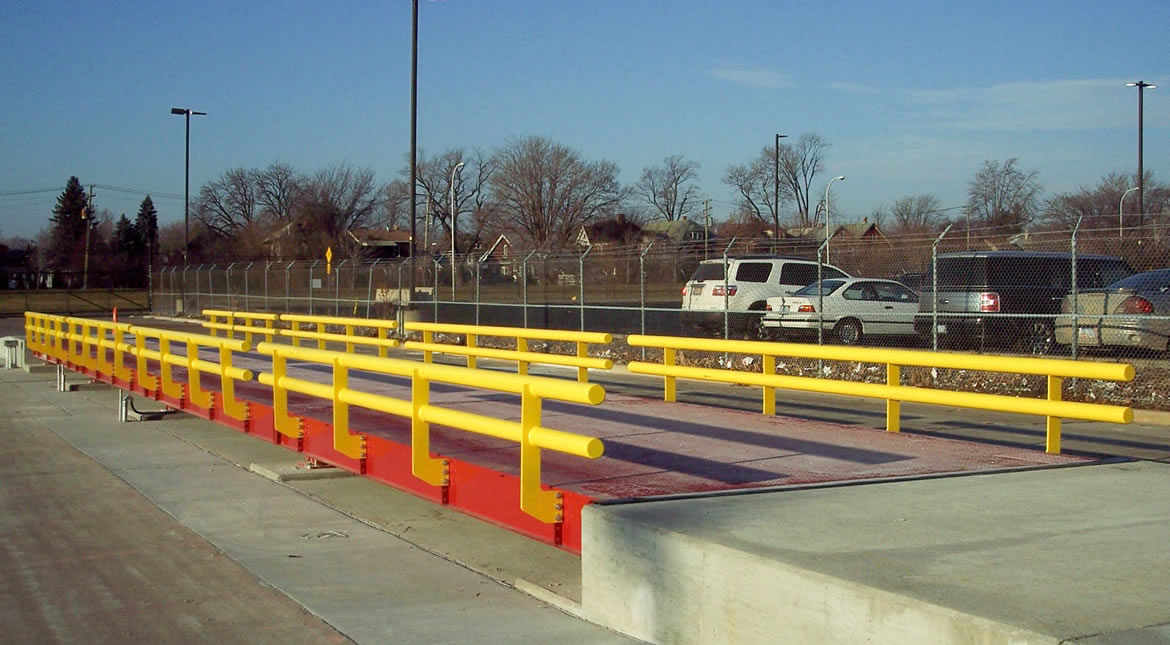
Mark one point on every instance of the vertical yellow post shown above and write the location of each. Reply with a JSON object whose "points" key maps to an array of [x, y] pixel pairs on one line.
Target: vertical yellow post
{"points": [[893, 406], [170, 387], [521, 365], [348, 335], [248, 330], [145, 378], [545, 506], [320, 341], [231, 322], [432, 471], [101, 366], [1052, 434], [471, 343], [269, 329], [428, 338], [582, 372], [769, 368], [232, 406], [296, 326], [350, 445], [668, 388], [285, 424], [212, 331], [199, 396], [382, 335]]}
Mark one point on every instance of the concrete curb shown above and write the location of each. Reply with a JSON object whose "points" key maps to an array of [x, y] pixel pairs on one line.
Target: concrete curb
{"points": [[286, 472]]}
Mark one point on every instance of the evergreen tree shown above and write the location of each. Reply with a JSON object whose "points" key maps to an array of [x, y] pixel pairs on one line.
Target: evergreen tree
{"points": [[146, 225], [68, 228]]}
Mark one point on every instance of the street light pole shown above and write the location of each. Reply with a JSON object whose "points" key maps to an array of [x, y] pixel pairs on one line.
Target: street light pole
{"points": [[187, 113], [1141, 85], [829, 233], [1120, 206], [776, 176], [413, 137], [454, 226]]}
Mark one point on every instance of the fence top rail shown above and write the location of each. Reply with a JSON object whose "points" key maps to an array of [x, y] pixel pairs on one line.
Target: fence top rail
{"points": [[515, 332], [235, 345], [340, 320], [541, 386], [904, 357], [340, 338], [240, 314]]}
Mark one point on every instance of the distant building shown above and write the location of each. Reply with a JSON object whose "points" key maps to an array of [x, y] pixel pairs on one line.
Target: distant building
{"points": [[382, 244], [614, 231], [679, 233]]}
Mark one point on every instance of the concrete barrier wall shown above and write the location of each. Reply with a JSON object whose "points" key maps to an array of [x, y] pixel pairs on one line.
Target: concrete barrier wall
{"points": [[666, 587]]}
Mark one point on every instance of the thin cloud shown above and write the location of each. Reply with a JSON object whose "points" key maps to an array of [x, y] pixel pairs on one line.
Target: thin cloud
{"points": [[1041, 105], [751, 76], [854, 88]]}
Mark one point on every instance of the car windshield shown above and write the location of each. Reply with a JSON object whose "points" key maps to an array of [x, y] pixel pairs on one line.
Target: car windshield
{"points": [[825, 288]]}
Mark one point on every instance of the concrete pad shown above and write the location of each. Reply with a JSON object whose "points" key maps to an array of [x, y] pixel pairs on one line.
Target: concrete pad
{"points": [[1042, 556], [285, 472]]}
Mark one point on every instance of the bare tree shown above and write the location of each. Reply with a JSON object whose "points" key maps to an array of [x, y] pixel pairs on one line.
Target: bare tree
{"points": [[916, 214], [276, 189], [1002, 196], [395, 211], [670, 188], [434, 183], [227, 205], [1101, 205], [548, 191], [800, 162], [334, 201], [755, 184]]}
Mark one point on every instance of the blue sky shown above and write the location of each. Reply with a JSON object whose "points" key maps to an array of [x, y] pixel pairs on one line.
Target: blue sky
{"points": [[912, 96]]}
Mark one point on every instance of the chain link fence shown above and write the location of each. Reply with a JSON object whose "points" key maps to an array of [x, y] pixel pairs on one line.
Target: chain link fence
{"points": [[1031, 293]]}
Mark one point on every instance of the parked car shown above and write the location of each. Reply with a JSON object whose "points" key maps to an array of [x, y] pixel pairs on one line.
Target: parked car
{"points": [[743, 289], [1007, 299], [1127, 313], [851, 309]]}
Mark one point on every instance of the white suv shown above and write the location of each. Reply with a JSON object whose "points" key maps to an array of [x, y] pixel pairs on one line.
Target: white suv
{"points": [[743, 290]]}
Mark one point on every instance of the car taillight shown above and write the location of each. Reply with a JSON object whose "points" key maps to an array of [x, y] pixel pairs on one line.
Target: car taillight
{"points": [[989, 302], [1135, 305], [767, 307], [718, 290], [684, 291], [806, 309]]}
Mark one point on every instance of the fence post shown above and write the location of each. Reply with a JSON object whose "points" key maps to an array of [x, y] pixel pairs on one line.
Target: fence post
{"points": [[228, 288], [478, 264], [337, 289], [726, 278], [934, 288], [524, 286], [581, 283], [435, 288], [246, 269], [642, 290], [267, 268], [287, 281], [823, 248], [311, 267], [1076, 332], [370, 287]]}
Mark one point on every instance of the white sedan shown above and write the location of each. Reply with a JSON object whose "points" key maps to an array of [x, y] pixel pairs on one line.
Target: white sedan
{"points": [[852, 309]]}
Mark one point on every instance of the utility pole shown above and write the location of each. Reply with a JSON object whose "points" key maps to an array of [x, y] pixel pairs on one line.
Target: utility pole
{"points": [[776, 197], [86, 217], [706, 224]]}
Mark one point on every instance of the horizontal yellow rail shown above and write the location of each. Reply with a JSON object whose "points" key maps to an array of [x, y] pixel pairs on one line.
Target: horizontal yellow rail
{"points": [[87, 343], [247, 329], [471, 350], [546, 506], [295, 331], [1051, 407]]}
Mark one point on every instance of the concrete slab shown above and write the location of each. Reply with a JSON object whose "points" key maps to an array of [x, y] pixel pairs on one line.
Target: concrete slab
{"points": [[1043, 556], [286, 472]]}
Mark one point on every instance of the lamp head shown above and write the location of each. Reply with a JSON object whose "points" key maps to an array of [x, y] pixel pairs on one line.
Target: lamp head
{"points": [[178, 111]]}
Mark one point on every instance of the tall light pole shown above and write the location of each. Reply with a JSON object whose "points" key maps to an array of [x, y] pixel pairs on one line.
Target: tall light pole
{"points": [[187, 113], [413, 136], [1120, 210], [828, 233], [776, 205], [1141, 85], [454, 226]]}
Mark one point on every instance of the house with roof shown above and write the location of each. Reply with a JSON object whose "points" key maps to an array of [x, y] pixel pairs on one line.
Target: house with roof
{"points": [[616, 231]]}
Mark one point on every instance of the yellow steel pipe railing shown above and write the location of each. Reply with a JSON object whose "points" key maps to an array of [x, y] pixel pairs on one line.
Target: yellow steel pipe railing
{"points": [[381, 328], [1052, 407], [547, 506], [523, 358], [247, 329]]}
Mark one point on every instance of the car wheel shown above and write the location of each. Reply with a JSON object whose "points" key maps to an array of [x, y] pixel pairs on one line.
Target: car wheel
{"points": [[848, 331], [1038, 338]]}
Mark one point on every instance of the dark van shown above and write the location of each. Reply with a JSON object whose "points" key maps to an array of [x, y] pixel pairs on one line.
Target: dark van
{"points": [[1006, 299]]}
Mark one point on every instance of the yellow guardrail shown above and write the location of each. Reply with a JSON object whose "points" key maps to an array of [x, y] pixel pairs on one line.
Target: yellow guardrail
{"points": [[546, 506], [523, 357], [350, 337], [91, 343], [228, 324], [1052, 407]]}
